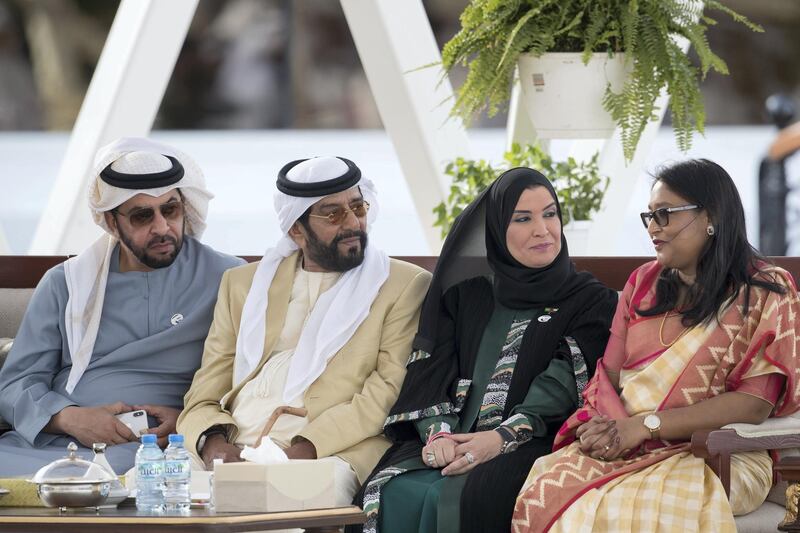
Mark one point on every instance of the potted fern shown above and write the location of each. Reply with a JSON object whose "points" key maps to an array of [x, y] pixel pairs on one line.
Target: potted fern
{"points": [[629, 47], [579, 186]]}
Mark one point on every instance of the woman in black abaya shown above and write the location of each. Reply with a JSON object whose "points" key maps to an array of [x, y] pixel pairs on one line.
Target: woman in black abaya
{"points": [[509, 334]]}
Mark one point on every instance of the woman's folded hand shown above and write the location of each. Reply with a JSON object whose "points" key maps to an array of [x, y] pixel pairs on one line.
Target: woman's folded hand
{"points": [[473, 449], [606, 439], [439, 452]]}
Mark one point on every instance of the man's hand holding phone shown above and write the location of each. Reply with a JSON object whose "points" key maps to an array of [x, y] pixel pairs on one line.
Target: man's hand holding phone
{"points": [[93, 424], [136, 421]]}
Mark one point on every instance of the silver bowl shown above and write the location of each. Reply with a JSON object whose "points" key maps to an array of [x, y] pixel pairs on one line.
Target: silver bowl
{"points": [[63, 495], [73, 482]]}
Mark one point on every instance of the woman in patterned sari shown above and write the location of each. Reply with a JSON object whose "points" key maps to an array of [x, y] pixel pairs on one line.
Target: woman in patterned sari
{"points": [[702, 337], [508, 336]]}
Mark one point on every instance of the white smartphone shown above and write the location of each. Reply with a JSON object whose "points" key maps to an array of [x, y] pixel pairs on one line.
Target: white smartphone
{"points": [[135, 420]]}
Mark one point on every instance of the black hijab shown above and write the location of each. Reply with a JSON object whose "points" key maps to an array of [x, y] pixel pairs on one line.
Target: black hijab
{"points": [[476, 246], [459, 305], [516, 285]]}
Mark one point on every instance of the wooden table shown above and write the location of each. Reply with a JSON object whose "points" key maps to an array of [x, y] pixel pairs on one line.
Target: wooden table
{"points": [[39, 519]]}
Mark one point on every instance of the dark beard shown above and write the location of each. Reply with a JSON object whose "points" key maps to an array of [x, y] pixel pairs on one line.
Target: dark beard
{"points": [[147, 259], [327, 256]]}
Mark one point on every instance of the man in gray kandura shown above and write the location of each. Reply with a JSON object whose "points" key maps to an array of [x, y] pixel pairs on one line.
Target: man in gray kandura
{"points": [[122, 325]]}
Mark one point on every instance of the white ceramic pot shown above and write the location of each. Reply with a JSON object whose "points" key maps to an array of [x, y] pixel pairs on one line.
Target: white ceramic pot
{"points": [[577, 234], [564, 97]]}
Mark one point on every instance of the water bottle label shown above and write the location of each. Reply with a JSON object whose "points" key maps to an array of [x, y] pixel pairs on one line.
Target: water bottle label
{"points": [[176, 469], [150, 470]]}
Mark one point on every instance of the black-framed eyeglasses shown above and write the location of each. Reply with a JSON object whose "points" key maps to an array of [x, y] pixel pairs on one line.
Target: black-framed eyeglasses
{"points": [[140, 217], [338, 215], [661, 216]]}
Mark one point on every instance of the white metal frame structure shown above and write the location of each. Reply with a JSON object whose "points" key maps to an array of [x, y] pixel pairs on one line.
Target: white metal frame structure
{"points": [[393, 40]]}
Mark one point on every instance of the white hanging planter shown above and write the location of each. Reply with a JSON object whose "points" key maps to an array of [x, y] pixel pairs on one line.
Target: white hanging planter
{"points": [[564, 97], [577, 235]]}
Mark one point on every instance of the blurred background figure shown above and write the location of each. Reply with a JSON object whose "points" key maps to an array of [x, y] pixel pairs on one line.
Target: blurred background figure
{"points": [[250, 37], [59, 41], [19, 105], [773, 188], [779, 211]]}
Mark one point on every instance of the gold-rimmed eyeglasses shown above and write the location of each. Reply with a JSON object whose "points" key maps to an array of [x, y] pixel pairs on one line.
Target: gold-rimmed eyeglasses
{"points": [[338, 215]]}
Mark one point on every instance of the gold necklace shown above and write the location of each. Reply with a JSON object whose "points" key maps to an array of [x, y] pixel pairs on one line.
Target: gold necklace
{"points": [[661, 332]]}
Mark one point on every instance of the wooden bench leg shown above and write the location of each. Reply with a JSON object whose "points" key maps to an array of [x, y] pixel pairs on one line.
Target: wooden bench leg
{"points": [[718, 460], [721, 465], [725, 472]]}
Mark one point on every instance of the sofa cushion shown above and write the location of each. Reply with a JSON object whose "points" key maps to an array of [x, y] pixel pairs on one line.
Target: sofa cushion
{"points": [[5, 347], [777, 494], [13, 303]]}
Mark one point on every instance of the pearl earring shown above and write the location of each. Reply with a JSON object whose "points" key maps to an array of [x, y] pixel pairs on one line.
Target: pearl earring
{"points": [[710, 230]]}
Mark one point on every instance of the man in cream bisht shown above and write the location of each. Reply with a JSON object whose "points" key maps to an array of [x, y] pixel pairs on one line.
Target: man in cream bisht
{"points": [[120, 326], [319, 330]]}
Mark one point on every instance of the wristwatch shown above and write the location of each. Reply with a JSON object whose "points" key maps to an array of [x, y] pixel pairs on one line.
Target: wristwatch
{"points": [[509, 437], [213, 430], [653, 423]]}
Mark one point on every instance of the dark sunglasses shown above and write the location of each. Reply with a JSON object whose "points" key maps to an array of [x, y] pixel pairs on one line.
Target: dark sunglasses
{"points": [[661, 216], [338, 215], [140, 217]]}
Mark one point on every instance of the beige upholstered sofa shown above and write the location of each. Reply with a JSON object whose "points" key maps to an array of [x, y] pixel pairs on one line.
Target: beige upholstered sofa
{"points": [[19, 275], [12, 306]]}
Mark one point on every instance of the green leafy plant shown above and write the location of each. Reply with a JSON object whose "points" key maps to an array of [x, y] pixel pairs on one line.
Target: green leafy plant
{"points": [[579, 186], [495, 32]]}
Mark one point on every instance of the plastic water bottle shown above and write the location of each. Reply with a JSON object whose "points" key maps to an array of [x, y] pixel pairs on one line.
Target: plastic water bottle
{"points": [[177, 476], [149, 476]]}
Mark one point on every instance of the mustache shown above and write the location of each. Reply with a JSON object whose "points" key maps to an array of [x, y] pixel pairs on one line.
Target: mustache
{"points": [[349, 234], [162, 240]]}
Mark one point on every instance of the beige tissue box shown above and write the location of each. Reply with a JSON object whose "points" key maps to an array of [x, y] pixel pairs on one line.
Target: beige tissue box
{"points": [[255, 488]]}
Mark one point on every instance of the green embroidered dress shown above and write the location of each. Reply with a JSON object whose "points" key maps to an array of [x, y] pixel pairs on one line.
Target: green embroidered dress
{"points": [[430, 502]]}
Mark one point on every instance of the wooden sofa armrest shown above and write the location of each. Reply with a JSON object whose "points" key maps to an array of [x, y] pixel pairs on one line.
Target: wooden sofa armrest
{"points": [[717, 445]]}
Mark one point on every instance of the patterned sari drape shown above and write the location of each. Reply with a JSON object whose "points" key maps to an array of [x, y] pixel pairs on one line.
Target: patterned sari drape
{"points": [[707, 361]]}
